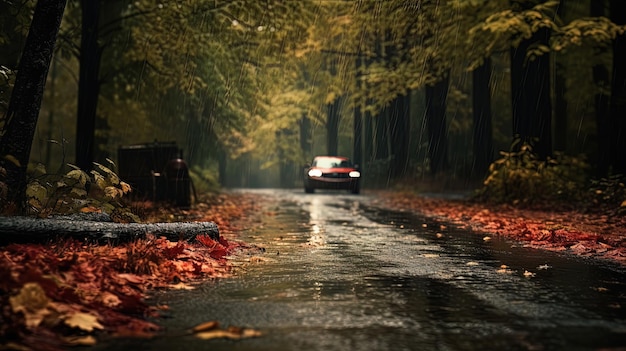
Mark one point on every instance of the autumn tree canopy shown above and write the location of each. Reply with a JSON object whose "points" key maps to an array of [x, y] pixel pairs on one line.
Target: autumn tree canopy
{"points": [[269, 84]]}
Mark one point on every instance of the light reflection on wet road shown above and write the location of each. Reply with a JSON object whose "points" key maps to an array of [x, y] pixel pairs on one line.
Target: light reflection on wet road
{"points": [[340, 275]]}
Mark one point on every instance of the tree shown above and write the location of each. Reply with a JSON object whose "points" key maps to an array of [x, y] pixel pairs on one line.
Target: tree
{"points": [[530, 87], [23, 111], [617, 121], [88, 83], [482, 130], [601, 81], [560, 103], [436, 96]]}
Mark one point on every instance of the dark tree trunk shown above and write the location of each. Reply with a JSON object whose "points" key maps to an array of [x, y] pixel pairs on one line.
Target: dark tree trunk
{"points": [[399, 130], [381, 146], [332, 127], [530, 89], [601, 83], [560, 108], [368, 133], [357, 145], [222, 163], [305, 136], [617, 105], [24, 229], [88, 84], [483, 133], [23, 110], [436, 96]]}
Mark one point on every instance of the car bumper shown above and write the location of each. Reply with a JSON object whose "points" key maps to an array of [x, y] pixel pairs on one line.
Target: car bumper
{"points": [[332, 183]]}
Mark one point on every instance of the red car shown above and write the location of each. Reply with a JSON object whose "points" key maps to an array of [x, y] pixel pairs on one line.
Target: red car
{"points": [[332, 172]]}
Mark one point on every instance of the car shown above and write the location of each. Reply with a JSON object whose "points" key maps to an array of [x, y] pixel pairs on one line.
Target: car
{"points": [[332, 172]]}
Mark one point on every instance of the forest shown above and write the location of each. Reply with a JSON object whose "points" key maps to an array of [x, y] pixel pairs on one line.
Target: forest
{"points": [[252, 90], [522, 101]]}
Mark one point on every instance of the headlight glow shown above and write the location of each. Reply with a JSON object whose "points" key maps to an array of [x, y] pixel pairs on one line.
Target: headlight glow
{"points": [[354, 174], [315, 173]]}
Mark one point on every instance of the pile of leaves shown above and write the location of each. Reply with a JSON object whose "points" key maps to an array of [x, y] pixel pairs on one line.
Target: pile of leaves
{"points": [[67, 292], [593, 234]]}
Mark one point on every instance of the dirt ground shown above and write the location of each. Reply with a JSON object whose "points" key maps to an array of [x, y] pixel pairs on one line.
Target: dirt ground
{"points": [[590, 234]]}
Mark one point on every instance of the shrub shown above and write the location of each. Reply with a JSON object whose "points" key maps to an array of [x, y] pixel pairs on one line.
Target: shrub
{"points": [[520, 178], [75, 191], [608, 192]]}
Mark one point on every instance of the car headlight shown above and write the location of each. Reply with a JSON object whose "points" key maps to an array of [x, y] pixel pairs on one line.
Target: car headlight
{"points": [[315, 173], [354, 174]]}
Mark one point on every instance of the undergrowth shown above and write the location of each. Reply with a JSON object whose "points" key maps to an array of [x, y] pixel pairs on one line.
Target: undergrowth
{"points": [[100, 190], [520, 178]]}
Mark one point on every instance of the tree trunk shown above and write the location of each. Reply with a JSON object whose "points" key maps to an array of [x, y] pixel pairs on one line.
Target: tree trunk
{"points": [[381, 146], [332, 127], [357, 145], [530, 89], [305, 136], [26, 229], [483, 133], [436, 96], [560, 108], [368, 133], [399, 125], [617, 105], [88, 84], [601, 100], [23, 110]]}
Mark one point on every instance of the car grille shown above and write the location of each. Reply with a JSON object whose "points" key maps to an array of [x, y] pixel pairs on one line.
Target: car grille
{"points": [[336, 175]]}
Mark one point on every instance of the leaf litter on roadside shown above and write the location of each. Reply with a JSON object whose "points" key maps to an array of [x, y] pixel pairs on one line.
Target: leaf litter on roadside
{"points": [[584, 233], [67, 293]]}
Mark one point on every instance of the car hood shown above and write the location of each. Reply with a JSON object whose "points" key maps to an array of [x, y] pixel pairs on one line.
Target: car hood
{"points": [[335, 170]]}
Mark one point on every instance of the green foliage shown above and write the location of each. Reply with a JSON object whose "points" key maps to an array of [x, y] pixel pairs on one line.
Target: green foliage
{"points": [[520, 178], [75, 191], [204, 180]]}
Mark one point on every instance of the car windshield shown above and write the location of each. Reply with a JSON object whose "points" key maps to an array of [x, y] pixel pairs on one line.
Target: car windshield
{"points": [[331, 163]]}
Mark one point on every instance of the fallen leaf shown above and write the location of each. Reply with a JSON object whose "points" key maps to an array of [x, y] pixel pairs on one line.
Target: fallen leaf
{"points": [[181, 286], [83, 321], [87, 340], [110, 300], [528, 274], [32, 302], [230, 333], [132, 278], [205, 326]]}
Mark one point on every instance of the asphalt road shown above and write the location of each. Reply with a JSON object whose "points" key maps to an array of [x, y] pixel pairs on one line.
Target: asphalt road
{"points": [[338, 274]]}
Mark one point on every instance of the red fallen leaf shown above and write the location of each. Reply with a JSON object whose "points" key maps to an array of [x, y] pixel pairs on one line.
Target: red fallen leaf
{"points": [[131, 278], [218, 253], [173, 252], [197, 268], [223, 241], [206, 240]]}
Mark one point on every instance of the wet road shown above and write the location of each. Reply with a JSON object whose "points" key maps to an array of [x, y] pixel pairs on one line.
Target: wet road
{"points": [[340, 275]]}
